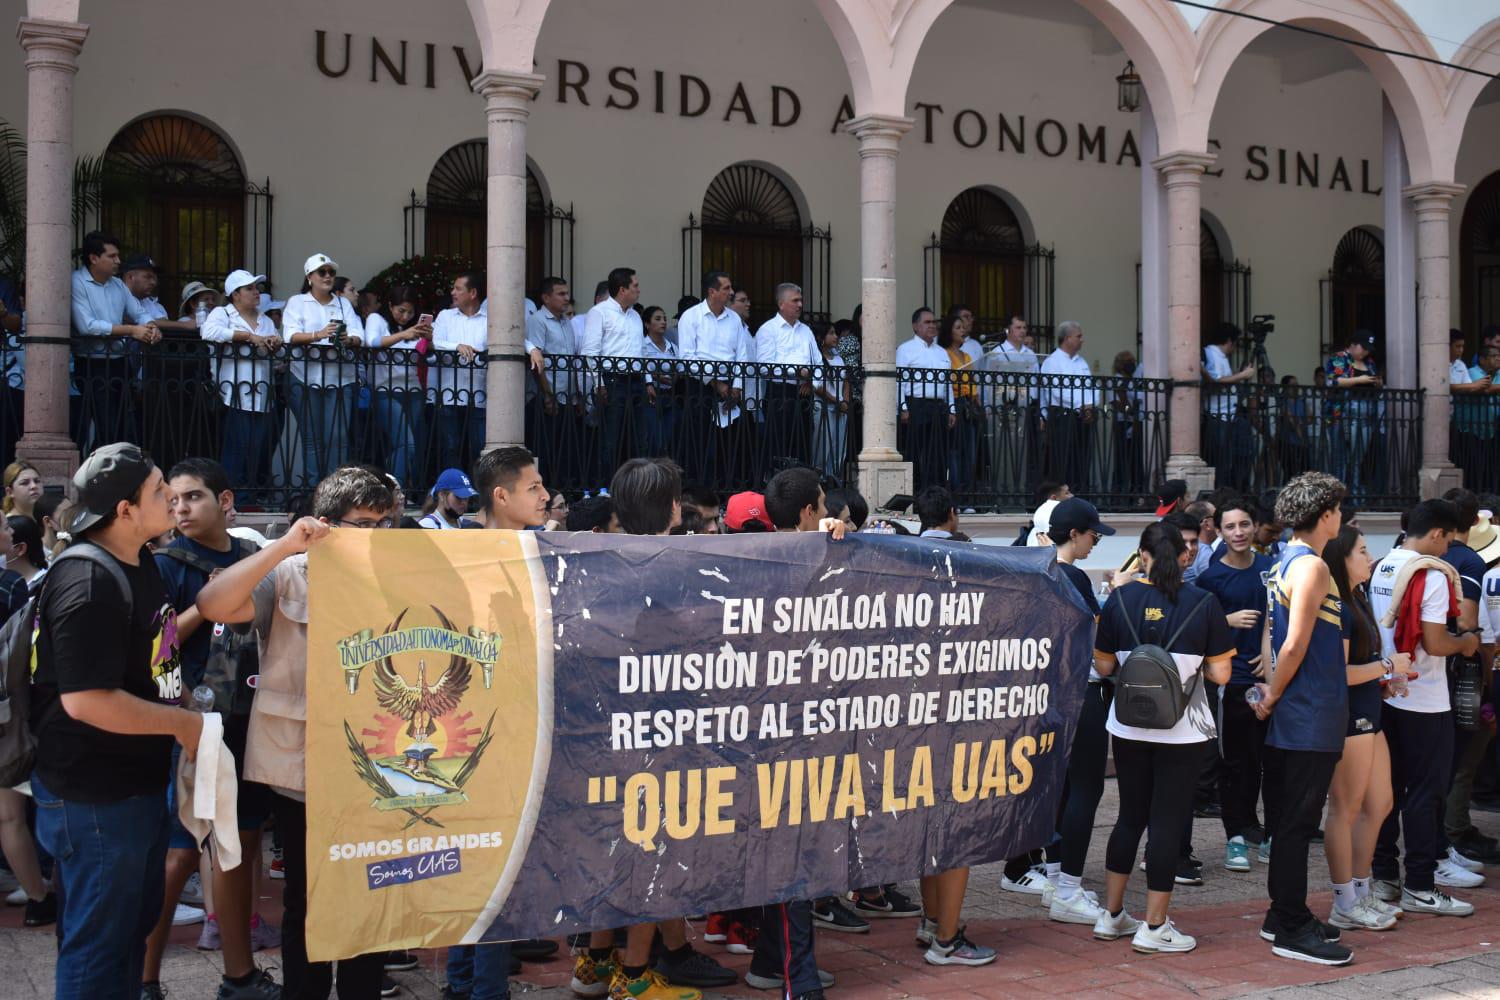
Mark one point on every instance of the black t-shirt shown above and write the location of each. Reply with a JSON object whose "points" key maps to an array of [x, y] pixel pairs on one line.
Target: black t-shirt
{"points": [[85, 643], [1081, 583]]}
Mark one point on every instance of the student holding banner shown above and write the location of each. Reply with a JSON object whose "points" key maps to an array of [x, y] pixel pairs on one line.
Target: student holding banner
{"points": [[268, 591]]}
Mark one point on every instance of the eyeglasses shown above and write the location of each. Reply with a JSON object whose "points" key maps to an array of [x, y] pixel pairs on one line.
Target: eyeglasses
{"points": [[1098, 536], [326, 272], [384, 522]]}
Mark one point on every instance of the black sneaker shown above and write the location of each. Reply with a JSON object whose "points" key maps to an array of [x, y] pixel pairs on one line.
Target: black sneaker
{"points": [[697, 970], [1270, 927], [449, 993], [882, 903], [262, 987], [831, 915], [533, 950], [1189, 873], [400, 961], [1308, 945], [41, 912], [153, 991], [809, 995], [389, 987], [1209, 810]]}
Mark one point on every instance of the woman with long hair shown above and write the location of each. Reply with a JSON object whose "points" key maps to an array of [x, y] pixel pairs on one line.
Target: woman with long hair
{"points": [[661, 413], [1157, 769], [23, 488], [1360, 796], [393, 333], [963, 443]]}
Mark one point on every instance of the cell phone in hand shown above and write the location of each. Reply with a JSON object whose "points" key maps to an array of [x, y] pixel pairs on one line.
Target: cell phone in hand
{"points": [[425, 319]]}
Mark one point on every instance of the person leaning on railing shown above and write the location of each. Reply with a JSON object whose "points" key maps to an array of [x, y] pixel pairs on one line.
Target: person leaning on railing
{"points": [[1070, 403], [1352, 409], [107, 317], [245, 339], [929, 415], [393, 333], [323, 325]]}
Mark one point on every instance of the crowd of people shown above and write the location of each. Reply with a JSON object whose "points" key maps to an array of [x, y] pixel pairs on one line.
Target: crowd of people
{"points": [[282, 392], [1318, 686]]}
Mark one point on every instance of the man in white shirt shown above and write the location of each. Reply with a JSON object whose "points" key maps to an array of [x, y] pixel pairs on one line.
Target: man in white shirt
{"points": [[459, 386], [713, 334], [1011, 408], [1069, 405], [785, 340], [1419, 727], [613, 338], [929, 415], [1222, 402]]}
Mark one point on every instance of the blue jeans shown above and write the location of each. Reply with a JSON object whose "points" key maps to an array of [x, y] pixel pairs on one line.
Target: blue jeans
{"points": [[400, 414], [247, 437], [481, 971], [111, 866], [323, 422], [456, 424]]}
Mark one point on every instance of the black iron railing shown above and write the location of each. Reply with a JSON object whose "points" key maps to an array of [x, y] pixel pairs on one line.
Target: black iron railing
{"points": [[1258, 436], [1474, 440], [993, 437]]}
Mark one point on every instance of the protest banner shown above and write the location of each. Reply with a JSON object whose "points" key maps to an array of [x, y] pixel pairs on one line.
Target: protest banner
{"points": [[516, 735]]}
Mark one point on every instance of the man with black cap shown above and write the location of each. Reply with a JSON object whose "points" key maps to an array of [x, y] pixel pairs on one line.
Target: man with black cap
{"points": [[140, 275], [105, 696]]}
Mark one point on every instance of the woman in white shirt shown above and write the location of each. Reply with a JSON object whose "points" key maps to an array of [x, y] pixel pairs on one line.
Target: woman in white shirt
{"points": [[392, 334], [661, 413], [322, 327], [244, 340], [830, 408]]}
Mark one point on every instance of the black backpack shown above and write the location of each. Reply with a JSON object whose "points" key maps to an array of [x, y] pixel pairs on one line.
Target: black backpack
{"points": [[18, 663], [1148, 688], [233, 657]]}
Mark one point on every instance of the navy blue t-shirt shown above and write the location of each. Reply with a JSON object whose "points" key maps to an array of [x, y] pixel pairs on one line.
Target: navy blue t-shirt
{"points": [[182, 584], [1313, 713], [1240, 590], [1470, 569]]}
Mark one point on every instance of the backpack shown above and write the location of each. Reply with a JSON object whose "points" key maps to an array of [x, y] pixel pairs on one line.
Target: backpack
{"points": [[1148, 688], [18, 662], [233, 657]]}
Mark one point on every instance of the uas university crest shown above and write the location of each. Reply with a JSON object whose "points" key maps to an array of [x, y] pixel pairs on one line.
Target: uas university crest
{"points": [[425, 749]]}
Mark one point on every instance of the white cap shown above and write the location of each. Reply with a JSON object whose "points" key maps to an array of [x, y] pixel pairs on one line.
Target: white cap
{"points": [[318, 260], [239, 279], [1041, 522]]}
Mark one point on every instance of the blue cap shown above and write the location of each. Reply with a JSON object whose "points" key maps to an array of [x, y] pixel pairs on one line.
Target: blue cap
{"points": [[455, 482]]}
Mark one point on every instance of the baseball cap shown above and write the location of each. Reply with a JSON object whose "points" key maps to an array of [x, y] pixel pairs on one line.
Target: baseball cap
{"points": [[1172, 491], [139, 262], [1041, 521], [111, 474], [239, 279], [1075, 514], [455, 482], [744, 507], [318, 260]]}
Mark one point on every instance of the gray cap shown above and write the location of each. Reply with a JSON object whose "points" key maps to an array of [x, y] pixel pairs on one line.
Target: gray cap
{"points": [[111, 474]]}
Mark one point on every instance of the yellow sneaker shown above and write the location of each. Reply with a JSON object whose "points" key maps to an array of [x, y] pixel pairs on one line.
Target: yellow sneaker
{"points": [[651, 986], [591, 978]]}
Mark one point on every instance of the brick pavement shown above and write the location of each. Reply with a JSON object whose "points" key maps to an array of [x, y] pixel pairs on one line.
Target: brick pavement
{"points": [[1427, 957]]}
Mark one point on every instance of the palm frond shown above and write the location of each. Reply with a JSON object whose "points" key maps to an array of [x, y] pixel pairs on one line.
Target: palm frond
{"points": [[366, 767], [466, 771]]}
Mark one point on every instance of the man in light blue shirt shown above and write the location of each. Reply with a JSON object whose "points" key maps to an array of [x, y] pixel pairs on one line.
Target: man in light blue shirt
{"points": [[558, 421], [108, 318]]}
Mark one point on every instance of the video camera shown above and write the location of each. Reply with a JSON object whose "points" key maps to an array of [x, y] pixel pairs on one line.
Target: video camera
{"points": [[1260, 327]]}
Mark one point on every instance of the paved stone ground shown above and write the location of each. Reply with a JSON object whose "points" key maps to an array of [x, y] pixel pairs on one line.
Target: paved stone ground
{"points": [[1426, 957]]}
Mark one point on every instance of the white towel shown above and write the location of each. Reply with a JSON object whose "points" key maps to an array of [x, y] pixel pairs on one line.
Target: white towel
{"points": [[207, 808]]}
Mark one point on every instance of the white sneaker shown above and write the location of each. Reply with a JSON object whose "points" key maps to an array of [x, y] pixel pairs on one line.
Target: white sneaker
{"points": [[1468, 864], [1050, 890], [1078, 910], [1166, 938], [1108, 928], [17, 897], [1388, 890], [192, 892], [926, 932], [1362, 917], [185, 915], [1435, 901], [1451, 876], [1033, 883], [1383, 906]]}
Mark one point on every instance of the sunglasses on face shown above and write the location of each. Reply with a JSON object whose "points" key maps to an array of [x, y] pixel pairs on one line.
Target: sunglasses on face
{"points": [[326, 272]]}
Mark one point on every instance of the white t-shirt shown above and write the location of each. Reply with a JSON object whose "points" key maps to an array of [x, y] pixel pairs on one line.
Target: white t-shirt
{"points": [[435, 521], [1216, 366], [1429, 692], [1458, 373], [1489, 606]]}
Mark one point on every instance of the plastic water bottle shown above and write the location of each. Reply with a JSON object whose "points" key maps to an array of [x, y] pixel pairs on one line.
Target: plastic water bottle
{"points": [[203, 698], [200, 314], [1253, 696], [1102, 592]]}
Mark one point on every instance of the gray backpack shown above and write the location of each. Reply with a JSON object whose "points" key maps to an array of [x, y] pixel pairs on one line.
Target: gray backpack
{"points": [[18, 663], [1148, 688]]}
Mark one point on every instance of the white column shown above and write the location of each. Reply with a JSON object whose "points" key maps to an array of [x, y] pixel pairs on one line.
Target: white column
{"points": [[1400, 361], [507, 106], [52, 49], [882, 473], [1182, 177], [1434, 206], [1154, 340]]}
